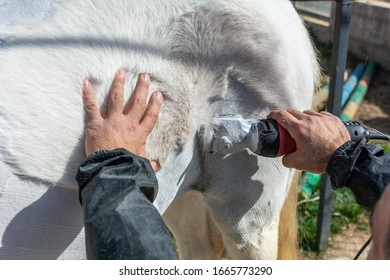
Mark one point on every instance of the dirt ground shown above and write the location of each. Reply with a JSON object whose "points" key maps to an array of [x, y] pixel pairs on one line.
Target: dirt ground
{"points": [[374, 112], [343, 246]]}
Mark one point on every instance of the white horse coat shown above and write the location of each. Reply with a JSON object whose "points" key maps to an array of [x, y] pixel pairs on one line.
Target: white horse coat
{"points": [[208, 58]]}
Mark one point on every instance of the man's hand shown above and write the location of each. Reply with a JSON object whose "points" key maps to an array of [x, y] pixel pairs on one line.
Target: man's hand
{"points": [[121, 127], [317, 137]]}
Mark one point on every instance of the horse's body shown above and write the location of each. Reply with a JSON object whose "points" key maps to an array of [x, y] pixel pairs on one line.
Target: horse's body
{"points": [[208, 58]]}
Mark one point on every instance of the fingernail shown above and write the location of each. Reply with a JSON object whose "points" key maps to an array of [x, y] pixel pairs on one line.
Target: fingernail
{"points": [[121, 74], [145, 77], [159, 95], [86, 83]]}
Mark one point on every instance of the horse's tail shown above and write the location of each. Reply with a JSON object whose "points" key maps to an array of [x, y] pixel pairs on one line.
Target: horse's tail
{"points": [[288, 224]]}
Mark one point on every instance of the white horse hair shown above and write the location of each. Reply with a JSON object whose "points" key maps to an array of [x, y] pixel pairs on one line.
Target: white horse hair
{"points": [[207, 57]]}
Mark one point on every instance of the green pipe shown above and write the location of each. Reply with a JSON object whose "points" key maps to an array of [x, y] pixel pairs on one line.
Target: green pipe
{"points": [[358, 95], [309, 181]]}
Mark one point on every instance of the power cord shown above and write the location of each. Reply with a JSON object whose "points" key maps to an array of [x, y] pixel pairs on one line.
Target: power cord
{"points": [[363, 248]]}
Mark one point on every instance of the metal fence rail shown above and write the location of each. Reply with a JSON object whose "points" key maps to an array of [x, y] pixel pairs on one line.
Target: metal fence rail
{"points": [[341, 20]]}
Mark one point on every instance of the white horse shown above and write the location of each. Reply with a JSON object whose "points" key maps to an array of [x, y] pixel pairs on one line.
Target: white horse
{"points": [[208, 58]]}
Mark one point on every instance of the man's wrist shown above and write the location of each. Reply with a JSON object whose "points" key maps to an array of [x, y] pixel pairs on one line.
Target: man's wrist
{"points": [[95, 162], [110, 153]]}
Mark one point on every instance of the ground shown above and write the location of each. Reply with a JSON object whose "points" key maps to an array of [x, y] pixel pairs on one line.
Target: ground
{"points": [[343, 246], [374, 112]]}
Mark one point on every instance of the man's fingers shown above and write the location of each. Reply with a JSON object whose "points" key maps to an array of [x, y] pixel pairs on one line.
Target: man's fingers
{"points": [[115, 99], [312, 113], [155, 165], [91, 110], [292, 160], [327, 114], [152, 111], [137, 103], [286, 161], [283, 117], [298, 114]]}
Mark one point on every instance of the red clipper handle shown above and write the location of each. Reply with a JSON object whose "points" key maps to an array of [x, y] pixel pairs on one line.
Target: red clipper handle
{"points": [[286, 142]]}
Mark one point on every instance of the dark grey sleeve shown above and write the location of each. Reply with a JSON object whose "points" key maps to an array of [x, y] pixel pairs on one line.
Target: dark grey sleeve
{"points": [[117, 189], [363, 168]]}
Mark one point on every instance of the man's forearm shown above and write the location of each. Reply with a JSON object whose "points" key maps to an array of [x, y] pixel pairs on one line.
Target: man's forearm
{"points": [[116, 190], [363, 168]]}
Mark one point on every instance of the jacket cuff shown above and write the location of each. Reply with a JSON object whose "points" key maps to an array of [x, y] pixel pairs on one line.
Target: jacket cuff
{"points": [[343, 161], [95, 162]]}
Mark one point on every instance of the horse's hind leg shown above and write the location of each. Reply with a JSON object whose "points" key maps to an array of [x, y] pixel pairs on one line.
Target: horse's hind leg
{"points": [[245, 194], [193, 228]]}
